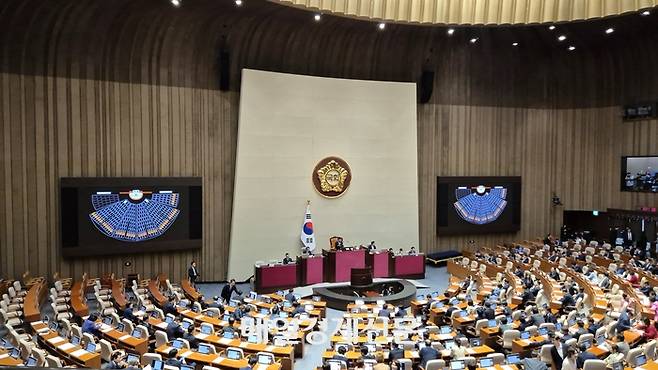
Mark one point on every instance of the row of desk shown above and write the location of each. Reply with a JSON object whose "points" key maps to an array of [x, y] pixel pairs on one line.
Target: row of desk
{"points": [[336, 266]]}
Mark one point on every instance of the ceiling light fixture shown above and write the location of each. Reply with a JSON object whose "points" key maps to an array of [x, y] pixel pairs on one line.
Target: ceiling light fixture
{"points": [[645, 13], [451, 31], [515, 44], [561, 38], [474, 40], [175, 3], [572, 48], [238, 2], [317, 17], [609, 30], [381, 25], [551, 28]]}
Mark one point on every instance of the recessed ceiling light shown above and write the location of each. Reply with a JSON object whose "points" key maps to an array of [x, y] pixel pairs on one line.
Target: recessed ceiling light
{"points": [[381, 26], [561, 38], [175, 3], [645, 13], [609, 30], [473, 40], [551, 28], [572, 48], [317, 17], [451, 31], [238, 2], [515, 44]]}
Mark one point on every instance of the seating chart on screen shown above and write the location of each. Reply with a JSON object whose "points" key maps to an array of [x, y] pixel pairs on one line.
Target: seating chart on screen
{"points": [[480, 205], [133, 217]]}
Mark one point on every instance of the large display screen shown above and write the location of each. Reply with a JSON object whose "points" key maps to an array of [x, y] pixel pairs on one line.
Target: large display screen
{"points": [[119, 215], [639, 174], [478, 205]]}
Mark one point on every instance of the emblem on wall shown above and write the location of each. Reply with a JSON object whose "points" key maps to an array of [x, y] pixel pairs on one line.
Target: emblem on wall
{"points": [[332, 177]]}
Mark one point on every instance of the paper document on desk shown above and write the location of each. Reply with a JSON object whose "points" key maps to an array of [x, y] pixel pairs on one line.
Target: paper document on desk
{"points": [[55, 340], [66, 346], [202, 336], [507, 367], [225, 341], [124, 337], [79, 353], [4, 355]]}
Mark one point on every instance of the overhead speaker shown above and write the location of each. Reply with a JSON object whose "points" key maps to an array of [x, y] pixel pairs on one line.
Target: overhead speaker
{"points": [[426, 86], [224, 67]]}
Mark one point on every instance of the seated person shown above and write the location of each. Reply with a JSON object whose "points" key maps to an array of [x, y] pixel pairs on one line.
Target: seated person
{"points": [[116, 361], [90, 325], [173, 358], [291, 296], [170, 306], [340, 354], [428, 353], [230, 328], [365, 354], [400, 252], [174, 330], [396, 353], [252, 363], [584, 356], [622, 346], [412, 251], [189, 336], [129, 314], [287, 259], [614, 357], [339, 244], [372, 246], [297, 309]]}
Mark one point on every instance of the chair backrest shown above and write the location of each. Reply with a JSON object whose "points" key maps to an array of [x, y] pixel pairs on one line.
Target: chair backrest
{"points": [[206, 367], [87, 338], [160, 338], [144, 331], [650, 349], [632, 354], [435, 365], [404, 364], [585, 337], [53, 361], [498, 358], [509, 336], [545, 354], [594, 365], [479, 325], [106, 350], [148, 358], [128, 326]]}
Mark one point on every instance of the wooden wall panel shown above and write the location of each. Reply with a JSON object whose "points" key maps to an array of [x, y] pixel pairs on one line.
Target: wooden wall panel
{"points": [[104, 128], [130, 88]]}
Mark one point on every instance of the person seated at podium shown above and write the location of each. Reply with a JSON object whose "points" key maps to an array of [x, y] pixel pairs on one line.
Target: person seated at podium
{"points": [[372, 246], [307, 251], [400, 252], [412, 251], [339, 244], [287, 259]]}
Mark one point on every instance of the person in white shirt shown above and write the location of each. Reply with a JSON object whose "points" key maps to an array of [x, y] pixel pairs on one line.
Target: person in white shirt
{"points": [[614, 356], [458, 352], [569, 362]]}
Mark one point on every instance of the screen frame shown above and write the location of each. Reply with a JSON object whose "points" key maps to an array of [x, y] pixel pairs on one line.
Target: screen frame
{"points": [[490, 228], [150, 246], [624, 169]]}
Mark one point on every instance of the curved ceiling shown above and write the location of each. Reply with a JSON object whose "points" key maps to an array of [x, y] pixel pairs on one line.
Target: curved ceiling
{"points": [[474, 12]]}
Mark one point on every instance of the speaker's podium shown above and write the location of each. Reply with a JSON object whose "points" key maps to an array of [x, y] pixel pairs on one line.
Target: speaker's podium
{"points": [[338, 264]]}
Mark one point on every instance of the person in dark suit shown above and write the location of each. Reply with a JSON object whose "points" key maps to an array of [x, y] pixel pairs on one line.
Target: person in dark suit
{"points": [[372, 246], [427, 353], [339, 244], [189, 336], [128, 313], [193, 273], [169, 306], [291, 296], [623, 323], [174, 330], [567, 301], [287, 259], [340, 354], [365, 354], [557, 353], [396, 353], [584, 356], [228, 291], [384, 312], [489, 313], [173, 360]]}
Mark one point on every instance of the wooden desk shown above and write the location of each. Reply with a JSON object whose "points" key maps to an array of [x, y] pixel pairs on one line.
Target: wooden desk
{"points": [[124, 340], [78, 300], [189, 290], [69, 352], [118, 294], [215, 360], [32, 302], [525, 345], [6, 360], [499, 367], [158, 297]]}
